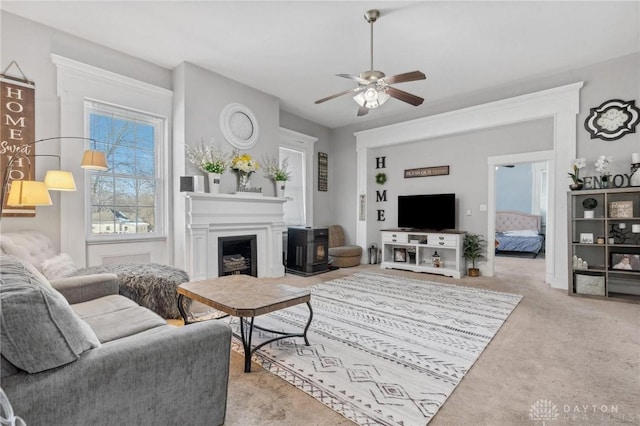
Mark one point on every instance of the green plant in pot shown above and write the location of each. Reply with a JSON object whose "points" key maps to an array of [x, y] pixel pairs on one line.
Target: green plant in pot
{"points": [[473, 248], [589, 204]]}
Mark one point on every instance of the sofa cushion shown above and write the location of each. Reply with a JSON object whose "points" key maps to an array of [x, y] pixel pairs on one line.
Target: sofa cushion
{"points": [[39, 330], [114, 317]]}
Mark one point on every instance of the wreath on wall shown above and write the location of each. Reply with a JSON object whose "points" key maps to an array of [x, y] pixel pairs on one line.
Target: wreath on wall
{"points": [[381, 178]]}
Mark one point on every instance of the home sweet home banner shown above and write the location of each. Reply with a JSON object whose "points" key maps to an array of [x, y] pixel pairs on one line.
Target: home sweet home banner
{"points": [[17, 112]]}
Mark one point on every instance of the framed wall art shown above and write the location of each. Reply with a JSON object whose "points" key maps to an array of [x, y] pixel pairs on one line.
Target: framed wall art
{"points": [[17, 108], [625, 261], [399, 254], [323, 171], [586, 238], [621, 209]]}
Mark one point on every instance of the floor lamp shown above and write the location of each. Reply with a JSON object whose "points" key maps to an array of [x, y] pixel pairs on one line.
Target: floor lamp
{"points": [[23, 193]]}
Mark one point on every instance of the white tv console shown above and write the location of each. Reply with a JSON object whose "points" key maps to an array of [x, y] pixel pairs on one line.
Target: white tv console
{"points": [[412, 250]]}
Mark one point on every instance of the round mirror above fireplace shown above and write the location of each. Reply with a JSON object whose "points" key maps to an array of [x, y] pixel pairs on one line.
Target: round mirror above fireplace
{"points": [[239, 126]]}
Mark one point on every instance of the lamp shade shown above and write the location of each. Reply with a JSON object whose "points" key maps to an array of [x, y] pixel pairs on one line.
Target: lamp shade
{"points": [[94, 160], [59, 180], [28, 193]]}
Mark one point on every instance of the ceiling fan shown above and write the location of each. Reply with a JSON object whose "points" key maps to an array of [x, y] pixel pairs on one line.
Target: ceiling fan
{"points": [[373, 86]]}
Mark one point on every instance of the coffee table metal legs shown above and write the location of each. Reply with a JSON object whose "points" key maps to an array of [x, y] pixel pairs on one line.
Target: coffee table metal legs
{"points": [[181, 309], [246, 332]]}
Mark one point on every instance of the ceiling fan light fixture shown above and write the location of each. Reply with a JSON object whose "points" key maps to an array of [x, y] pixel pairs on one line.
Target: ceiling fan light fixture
{"points": [[374, 87], [371, 98]]}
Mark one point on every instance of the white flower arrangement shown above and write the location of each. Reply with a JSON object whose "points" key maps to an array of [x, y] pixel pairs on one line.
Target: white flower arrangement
{"points": [[275, 171], [244, 163], [208, 158], [603, 164], [576, 165]]}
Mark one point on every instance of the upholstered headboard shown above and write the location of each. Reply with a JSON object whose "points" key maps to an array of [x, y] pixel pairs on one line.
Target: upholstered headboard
{"points": [[516, 221]]}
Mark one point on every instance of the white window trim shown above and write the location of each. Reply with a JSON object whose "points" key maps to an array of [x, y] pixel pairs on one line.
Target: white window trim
{"points": [[160, 178], [76, 82], [301, 142]]}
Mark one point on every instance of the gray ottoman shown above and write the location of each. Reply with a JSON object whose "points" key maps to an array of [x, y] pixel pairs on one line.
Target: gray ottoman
{"points": [[151, 285]]}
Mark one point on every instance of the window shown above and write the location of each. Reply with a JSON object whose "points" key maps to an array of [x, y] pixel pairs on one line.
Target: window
{"points": [[126, 198], [295, 188], [298, 149]]}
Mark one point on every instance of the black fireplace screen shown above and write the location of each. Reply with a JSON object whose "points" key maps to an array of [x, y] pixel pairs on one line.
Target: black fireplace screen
{"points": [[237, 255]]}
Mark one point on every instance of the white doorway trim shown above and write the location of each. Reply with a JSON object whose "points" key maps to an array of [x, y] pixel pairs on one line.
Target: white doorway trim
{"points": [[560, 103], [528, 157]]}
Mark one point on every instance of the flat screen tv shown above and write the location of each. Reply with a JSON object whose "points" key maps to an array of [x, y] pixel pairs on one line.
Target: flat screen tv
{"points": [[431, 211]]}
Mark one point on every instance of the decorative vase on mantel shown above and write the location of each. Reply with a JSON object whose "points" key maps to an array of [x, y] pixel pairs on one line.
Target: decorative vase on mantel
{"points": [[244, 181], [214, 182], [280, 186]]}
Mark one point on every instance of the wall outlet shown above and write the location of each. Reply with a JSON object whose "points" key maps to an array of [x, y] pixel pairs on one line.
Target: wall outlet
{"points": [[468, 212], [483, 207]]}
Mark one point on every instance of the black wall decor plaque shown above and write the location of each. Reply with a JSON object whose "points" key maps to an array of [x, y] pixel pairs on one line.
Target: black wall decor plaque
{"points": [[323, 171], [426, 171]]}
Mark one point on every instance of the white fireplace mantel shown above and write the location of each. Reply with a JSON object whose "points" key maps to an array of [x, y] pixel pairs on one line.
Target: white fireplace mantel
{"points": [[211, 216]]}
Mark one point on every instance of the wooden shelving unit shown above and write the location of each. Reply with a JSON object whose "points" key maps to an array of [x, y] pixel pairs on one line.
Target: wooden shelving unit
{"points": [[611, 229]]}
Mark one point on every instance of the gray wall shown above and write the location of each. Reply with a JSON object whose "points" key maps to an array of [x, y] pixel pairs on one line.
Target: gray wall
{"points": [[30, 45], [205, 94], [322, 206], [514, 188], [618, 78], [202, 94], [466, 155]]}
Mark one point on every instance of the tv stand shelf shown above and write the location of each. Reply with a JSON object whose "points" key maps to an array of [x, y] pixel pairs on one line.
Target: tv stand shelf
{"points": [[412, 250]]}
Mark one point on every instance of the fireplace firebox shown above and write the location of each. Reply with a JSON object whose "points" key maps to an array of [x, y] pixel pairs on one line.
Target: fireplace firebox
{"points": [[237, 255]]}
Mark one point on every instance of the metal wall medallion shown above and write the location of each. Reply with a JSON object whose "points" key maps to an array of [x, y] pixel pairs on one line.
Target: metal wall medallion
{"points": [[239, 126]]}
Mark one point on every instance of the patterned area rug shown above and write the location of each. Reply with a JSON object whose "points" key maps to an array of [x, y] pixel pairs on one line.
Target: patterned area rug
{"points": [[384, 350]]}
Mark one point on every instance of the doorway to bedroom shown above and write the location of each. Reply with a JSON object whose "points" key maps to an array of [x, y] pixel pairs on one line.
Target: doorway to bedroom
{"points": [[520, 218], [521, 209]]}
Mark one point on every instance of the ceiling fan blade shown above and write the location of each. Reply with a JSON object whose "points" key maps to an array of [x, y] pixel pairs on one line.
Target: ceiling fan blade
{"points": [[355, 78], [402, 78], [363, 111], [328, 98], [404, 96]]}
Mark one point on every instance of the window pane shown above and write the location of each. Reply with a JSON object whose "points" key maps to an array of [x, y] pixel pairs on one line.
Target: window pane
{"points": [[294, 210], [124, 199]]}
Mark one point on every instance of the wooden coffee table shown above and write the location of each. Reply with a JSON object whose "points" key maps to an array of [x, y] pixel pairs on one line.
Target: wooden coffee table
{"points": [[246, 297]]}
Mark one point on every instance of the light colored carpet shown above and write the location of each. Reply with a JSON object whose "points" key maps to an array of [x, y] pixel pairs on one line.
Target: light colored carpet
{"points": [[384, 350]]}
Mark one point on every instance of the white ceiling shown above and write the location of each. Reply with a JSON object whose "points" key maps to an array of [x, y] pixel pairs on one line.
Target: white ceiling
{"points": [[293, 50]]}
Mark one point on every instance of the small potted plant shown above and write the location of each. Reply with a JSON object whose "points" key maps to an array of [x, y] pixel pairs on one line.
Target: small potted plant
{"points": [[278, 173], [211, 160], [602, 166], [576, 165], [473, 248], [589, 204]]}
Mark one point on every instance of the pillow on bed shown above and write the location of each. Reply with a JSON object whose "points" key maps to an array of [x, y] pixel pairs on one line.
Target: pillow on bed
{"points": [[522, 233]]}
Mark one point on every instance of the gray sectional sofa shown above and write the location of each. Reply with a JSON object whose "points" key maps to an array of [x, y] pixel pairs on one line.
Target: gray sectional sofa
{"points": [[74, 352]]}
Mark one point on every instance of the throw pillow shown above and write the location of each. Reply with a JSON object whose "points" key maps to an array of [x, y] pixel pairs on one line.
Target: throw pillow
{"points": [[60, 266], [38, 328]]}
